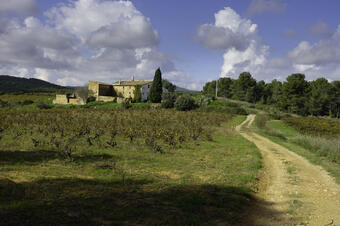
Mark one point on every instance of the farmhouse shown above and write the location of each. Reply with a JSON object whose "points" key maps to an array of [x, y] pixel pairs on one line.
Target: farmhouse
{"points": [[121, 89]]}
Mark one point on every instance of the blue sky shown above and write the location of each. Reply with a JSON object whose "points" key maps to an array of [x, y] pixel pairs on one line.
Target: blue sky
{"points": [[192, 41]]}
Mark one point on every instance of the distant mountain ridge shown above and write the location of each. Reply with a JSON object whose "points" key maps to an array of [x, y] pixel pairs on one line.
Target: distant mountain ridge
{"points": [[12, 84]]}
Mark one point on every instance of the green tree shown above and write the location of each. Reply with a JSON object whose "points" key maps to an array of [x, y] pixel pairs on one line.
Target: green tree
{"points": [[319, 98], [335, 99], [156, 90], [209, 88], [240, 87], [137, 94], [294, 94], [224, 87], [168, 86]]}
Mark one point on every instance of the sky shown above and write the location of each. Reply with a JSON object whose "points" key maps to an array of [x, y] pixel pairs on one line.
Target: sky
{"points": [[69, 42]]}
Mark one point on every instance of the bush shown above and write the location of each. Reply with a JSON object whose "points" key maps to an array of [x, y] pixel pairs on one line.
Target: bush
{"points": [[185, 103], [261, 121], [126, 104], [168, 100], [27, 102], [3, 103], [43, 105], [204, 101]]}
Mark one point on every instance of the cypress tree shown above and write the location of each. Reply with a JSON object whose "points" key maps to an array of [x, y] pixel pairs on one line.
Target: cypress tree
{"points": [[156, 90]]}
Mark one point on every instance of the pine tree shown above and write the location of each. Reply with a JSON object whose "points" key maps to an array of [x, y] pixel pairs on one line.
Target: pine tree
{"points": [[156, 90]]}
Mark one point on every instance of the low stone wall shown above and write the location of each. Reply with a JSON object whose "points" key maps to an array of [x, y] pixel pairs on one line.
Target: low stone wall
{"points": [[105, 99]]}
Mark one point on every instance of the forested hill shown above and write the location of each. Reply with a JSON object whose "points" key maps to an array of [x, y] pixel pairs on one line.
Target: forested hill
{"points": [[11, 84]]}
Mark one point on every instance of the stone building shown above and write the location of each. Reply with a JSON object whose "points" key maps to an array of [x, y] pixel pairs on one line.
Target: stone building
{"points": [[121, 89], [101, 91], [127, 89], [67, 99]]}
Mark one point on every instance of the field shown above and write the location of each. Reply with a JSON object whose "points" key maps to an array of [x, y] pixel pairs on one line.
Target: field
{"points": [[124, 167]]}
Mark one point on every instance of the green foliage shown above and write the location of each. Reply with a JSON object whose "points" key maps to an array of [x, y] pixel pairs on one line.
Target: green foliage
{"points": [[137, 94], [185, 103], [126, 104], [168, 86], [261, 121], [204, 101], [156, 90], [168, 100], [314, 126], [43, 105], [294, 94], [243, 85]]}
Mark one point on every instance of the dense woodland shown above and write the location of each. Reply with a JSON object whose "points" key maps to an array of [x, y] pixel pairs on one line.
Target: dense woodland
{"points": [[295, 95]]}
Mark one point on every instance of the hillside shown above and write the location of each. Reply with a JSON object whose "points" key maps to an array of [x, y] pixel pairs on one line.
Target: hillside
{"points": [[11, 84]]}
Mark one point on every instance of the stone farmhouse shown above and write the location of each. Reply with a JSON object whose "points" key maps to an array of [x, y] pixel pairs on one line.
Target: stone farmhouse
{"points": [[109, 92], [120, 90]]}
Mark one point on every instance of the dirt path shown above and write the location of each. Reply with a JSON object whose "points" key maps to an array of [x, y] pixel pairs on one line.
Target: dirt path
{"points": [[294, 191]]}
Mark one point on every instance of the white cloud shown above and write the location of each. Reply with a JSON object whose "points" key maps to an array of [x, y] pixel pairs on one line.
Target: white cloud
{"points": [[84, 40], [229, 31], [263, 6], [238, 36], [22, 7], [320, 29]]}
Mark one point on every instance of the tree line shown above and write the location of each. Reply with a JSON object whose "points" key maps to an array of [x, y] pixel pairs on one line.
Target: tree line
{"points": [[295, 95]]}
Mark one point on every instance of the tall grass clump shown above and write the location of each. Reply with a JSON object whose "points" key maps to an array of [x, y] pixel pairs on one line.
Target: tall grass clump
{"points": [[261, 123], [324, 147]]}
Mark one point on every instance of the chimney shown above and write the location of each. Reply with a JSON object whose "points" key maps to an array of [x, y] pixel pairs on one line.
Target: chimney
{"points": [[119, 82], [133, 78]]}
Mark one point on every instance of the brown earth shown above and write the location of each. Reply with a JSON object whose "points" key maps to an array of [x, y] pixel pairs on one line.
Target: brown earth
{"points": [[294, 191]]}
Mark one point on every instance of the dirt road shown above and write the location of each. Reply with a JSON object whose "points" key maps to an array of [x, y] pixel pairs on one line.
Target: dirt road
{"points": [[295, 191]]}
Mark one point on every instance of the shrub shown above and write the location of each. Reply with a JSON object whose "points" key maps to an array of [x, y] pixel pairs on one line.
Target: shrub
{"points": [[204, 101], [126, 104], [261, 121], [43, 105], [28, 102], [3, 103], [168, 100], [185, 103]]}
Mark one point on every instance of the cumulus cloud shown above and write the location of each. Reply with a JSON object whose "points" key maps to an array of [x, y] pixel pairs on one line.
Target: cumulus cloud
{"points": [[21, 7], [238, 37], [263, 6], [229, 31], [85, 40], [314, 59], [324, 52], [320, 29]]}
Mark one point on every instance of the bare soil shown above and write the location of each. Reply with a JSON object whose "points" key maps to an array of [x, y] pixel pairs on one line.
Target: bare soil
{"points": [[294, 191]]}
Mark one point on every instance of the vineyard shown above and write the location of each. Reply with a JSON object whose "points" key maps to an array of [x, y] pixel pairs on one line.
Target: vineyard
{"points": [[315, 126], [66, 131]]}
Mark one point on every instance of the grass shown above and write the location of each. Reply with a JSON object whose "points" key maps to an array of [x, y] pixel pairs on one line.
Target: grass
{"points": [[290, 142], [206, 183]]}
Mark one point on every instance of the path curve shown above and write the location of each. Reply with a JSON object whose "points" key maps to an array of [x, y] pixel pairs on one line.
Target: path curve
{"points": [[299, 192]]}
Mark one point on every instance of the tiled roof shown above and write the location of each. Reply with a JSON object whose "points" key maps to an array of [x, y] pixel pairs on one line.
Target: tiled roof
{"points": [[132, 83]]}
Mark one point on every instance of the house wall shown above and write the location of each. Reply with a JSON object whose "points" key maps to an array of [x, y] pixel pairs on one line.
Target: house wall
{"points": [[105, 90], [73, 101], [61, 99], [126, 91], [94, 88], [145, 91], [105, 99]]}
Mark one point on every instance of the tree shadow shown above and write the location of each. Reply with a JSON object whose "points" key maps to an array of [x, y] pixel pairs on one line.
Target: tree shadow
{"points": [[124, 202], [31, 157], [14, 157]]}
